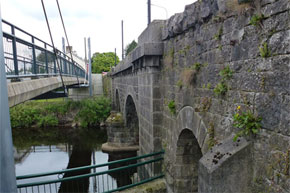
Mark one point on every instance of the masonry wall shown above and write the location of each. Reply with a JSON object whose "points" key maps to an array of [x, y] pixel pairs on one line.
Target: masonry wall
{"points": [[186, 94], [211, 35]]}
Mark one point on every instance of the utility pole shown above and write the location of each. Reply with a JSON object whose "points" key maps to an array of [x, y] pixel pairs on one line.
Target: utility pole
{"points": [[149, 12], [7, 168], [90, 66], [115, 57], [86, 62], [122, 29], [85, 50]]}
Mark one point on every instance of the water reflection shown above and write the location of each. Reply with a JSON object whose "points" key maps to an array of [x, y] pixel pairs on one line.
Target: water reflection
{"points": [[122, 178], [38, 151]]}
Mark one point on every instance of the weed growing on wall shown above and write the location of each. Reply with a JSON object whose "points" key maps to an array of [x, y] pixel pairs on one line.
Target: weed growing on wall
{"points": [[257, 19], [247, 122], [264, 50], [222, 87], [172, 107]]}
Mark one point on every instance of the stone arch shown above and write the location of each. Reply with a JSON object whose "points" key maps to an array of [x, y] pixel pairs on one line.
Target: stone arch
{"points": [[117, 101], [188, 154], [131, 120], [190, 143]]}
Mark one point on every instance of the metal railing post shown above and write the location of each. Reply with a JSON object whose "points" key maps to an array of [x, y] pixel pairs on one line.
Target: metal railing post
{"points": [[54, 61], [65, 64], [35, 71], [46, 59], [7, 168], [14, 48]]}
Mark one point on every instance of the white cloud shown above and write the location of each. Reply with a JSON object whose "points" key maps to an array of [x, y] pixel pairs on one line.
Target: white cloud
{"points": [[100, 20]]}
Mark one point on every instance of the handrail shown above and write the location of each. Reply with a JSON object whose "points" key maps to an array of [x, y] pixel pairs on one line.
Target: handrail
{"points": [[67, 66], [130, 173], [89, 167], [87, 175]]}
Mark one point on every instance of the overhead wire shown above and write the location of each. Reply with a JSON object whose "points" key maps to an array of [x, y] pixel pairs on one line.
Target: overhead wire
{"points": [[64, 29], [54, 49]]}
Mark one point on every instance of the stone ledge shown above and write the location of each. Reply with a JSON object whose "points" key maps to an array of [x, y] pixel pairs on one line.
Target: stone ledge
{"points": [[156, 186], [147, 49], [109, 147]]}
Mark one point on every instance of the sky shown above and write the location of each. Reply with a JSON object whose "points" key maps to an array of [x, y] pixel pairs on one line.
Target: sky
{"points": [[98, 19]]}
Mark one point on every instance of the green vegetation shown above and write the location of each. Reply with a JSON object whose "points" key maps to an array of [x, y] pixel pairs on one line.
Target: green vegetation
{"points": [[179, 84], [197, 66], [102, 62], [256, 19], [218, 35], [42, 113], [93, 111], [222, 87], [226, 73], [107, 86], [211, 141], [172, 107], [248, 122], [130, 47], [264, 50], [208, 86]]}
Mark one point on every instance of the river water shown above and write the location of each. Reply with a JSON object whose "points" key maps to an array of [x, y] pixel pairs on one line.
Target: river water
{"points": [[52, 149]]}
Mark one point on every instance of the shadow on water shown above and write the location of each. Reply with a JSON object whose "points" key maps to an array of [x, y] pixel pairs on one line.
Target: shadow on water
{"points": [[123, 178]]}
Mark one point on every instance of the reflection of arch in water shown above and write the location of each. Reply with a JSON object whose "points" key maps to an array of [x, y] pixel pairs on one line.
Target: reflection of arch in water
{"points": [[117, 101], [122, 177], [132, 122], [80, 156]]}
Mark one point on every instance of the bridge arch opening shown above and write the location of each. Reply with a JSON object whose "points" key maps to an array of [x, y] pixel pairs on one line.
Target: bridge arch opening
{"points": [[188, 154], [132, 121], [117, 101]]}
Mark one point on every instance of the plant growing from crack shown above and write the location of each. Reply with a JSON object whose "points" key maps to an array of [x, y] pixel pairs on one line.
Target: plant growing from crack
{"points": [[222, 87], [257, 19], [172, 107], [264, 50], [248, 122]]}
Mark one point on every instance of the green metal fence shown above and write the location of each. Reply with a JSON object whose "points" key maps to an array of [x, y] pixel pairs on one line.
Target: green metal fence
{"points": [[109, 177]]}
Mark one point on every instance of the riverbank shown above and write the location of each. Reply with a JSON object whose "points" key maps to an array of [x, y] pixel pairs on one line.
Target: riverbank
{"points": [[60, 112]]}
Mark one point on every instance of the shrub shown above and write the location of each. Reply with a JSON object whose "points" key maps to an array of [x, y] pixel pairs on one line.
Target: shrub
{"points": [[47, 121], [94, 111]]}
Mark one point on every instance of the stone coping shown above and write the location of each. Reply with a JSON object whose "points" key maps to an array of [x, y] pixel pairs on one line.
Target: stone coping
{"points": [[108, 147]]}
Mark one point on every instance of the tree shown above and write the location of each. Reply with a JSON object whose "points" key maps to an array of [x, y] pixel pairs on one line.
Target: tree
{"points": [[130, 47], [102, 62]]}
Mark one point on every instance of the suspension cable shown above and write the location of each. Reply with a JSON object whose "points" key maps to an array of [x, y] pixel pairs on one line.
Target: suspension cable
{"points": [[66, 35], [54, 49]]}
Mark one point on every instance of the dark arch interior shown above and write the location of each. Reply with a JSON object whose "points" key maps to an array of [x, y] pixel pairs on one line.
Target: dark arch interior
{"points": [[188, 154], [132, 121], [117, 100]]}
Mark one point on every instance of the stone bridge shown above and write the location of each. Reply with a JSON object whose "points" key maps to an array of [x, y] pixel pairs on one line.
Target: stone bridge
{"points": [[180, 88]]}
